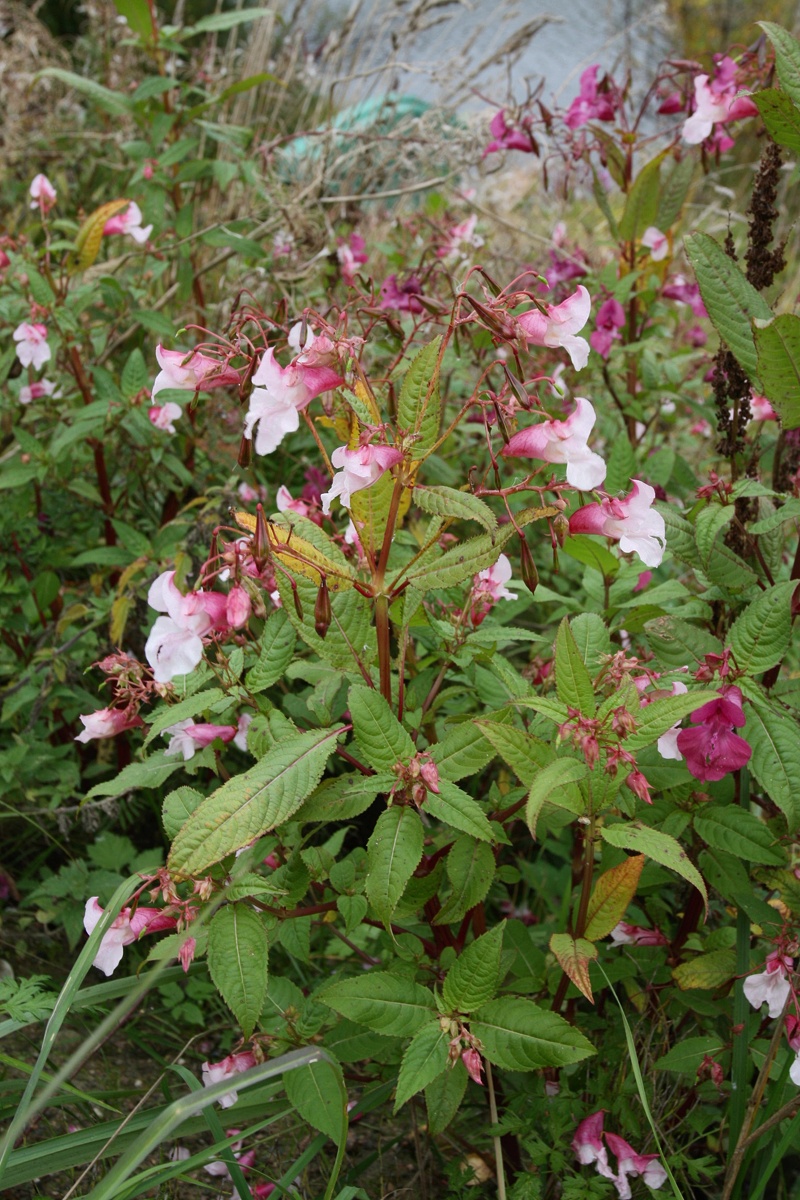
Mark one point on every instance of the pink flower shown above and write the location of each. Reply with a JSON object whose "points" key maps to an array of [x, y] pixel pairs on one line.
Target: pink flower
{"points": [[472, 1061], [761, 409], [489, 586], [771, 987], [175, 644], [505, 137], [360, 469], [351, 255], [656, 242], [639, 785], [125, 929], [684, 292], [227, 1068], [588, 1144], [716, 103], [593, 103], [405, 297], [281, 393], [563, 442], [631, 1163], [37, 390], [192, 372], [43, 193], [643, 582], [242, 726], [237, 607], [162, 416], [632, 520], [186, 737], [668, 742], [559, 324], [710, 746], [286, 503], [107, 722], [460, 238], [248, 494], [130, 222], [624, 934], [186, 953], [32, 348], [610, 319]]}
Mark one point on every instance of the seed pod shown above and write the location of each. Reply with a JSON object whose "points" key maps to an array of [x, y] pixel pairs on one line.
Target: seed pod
{"points": [[530, 576], [298, 608], [260, 540], [561, 527], [245, 449], [322, 609]]}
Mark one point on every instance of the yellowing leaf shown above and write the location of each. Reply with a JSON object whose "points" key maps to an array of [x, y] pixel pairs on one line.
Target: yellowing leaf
{"points": [[90, 234], [574, 956], [612, 894], [298, 555], [707, 971]]}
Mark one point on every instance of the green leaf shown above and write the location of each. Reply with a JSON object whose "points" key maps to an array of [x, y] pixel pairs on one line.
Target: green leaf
{"points": [[553, 785], [787, 58], [277, 651], [443, 1097], [760, 636], [689, 1053], [775, 764], [223, 21], [237, 962], [677, 643], [517, 1035], [641, 204], [731, 301], [462, 751], [448, 502], [393, 854], [706, 971], [111, 102], [40, 289], [385, 1003], [470, 870], [778, 346], [591, 554], [591, 637], [573, 684], [474, 977], [151, 773], [659, 846], [462, 561], [192, 706], [674, 191], [525, 754], [345, 797], [317, 1092], [656, 718], [457, 809], [178, 806], [424, 1060], [381, 738], [419, 405], [739, 832], [780, 116], [137, 14], [251, 803]]}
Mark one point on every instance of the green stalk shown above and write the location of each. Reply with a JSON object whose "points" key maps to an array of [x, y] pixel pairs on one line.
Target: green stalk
{"points": [[740, 1063]]}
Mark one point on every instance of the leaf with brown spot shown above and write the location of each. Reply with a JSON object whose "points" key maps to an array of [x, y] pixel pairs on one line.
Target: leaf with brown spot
{"points": [[612, 894]]}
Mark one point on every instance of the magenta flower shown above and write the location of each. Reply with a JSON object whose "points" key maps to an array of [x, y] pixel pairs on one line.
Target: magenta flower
{"points": [[563, 442], [709, 745], [632, 520], [42, 193], [760, 408], [505, 137], [37, 390], [772, 987], [227, 1068], [594, 102], [630, 1163], [793, 1035], [192, 372], [588, 1144], [472, 1061], [403, 297], [32, 348], [130, 222], [186, 737], [107, 722], [281, 393], [360, 469], [624, 934], [238, 607], [175, 644], [656, 242], [684, 292], [716, 103], [125, 929], [163, 416], [610, 319], [558, 325], [351, 254], [460, 239]]}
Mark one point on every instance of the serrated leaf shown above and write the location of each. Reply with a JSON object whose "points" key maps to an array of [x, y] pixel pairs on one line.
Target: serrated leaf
{"points": [[462, 751], [135, 375], [641, 204], [393, 854], [778, 346], [317, 1092], [353, 910], [151, 773], [739, 832], [381, 738], [449, 502], [178, 806], [656, 718], [388, 1004], [731, 301], [237, 962], [443, 1097], [553, 785], [192, 706], [780, 116], [574, 956], [369, 509], [674, 191], [677, 643], [525, 754], [300, 555], [474, 977], [345, 797], [591, 637], [252, 803], [453, 806], [573, 684], [591, 554], [612, 894], [470, 870], [419, 405], [787, 58], [686, 1057], [760, 636], [517, 1035], [277, 651], [424, 1060], [462, 561], [707, 971], [775, 764], [40, 289], [659, 846], [111, 102]]}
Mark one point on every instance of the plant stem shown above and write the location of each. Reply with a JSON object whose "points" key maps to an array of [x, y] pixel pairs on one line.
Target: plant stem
{"points": [[498, 1149], [741, 1011]]}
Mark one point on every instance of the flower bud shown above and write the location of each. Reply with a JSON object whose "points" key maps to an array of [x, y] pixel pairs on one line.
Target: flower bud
{"points": [[322, 609], [530, 576], [561, 528]]}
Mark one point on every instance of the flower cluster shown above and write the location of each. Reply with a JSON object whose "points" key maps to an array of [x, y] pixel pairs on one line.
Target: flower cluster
{"points": [[589, 1148]]}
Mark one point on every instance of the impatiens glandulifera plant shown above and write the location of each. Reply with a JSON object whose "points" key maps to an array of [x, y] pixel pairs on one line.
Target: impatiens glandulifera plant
{"points": [[450, 762]]}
